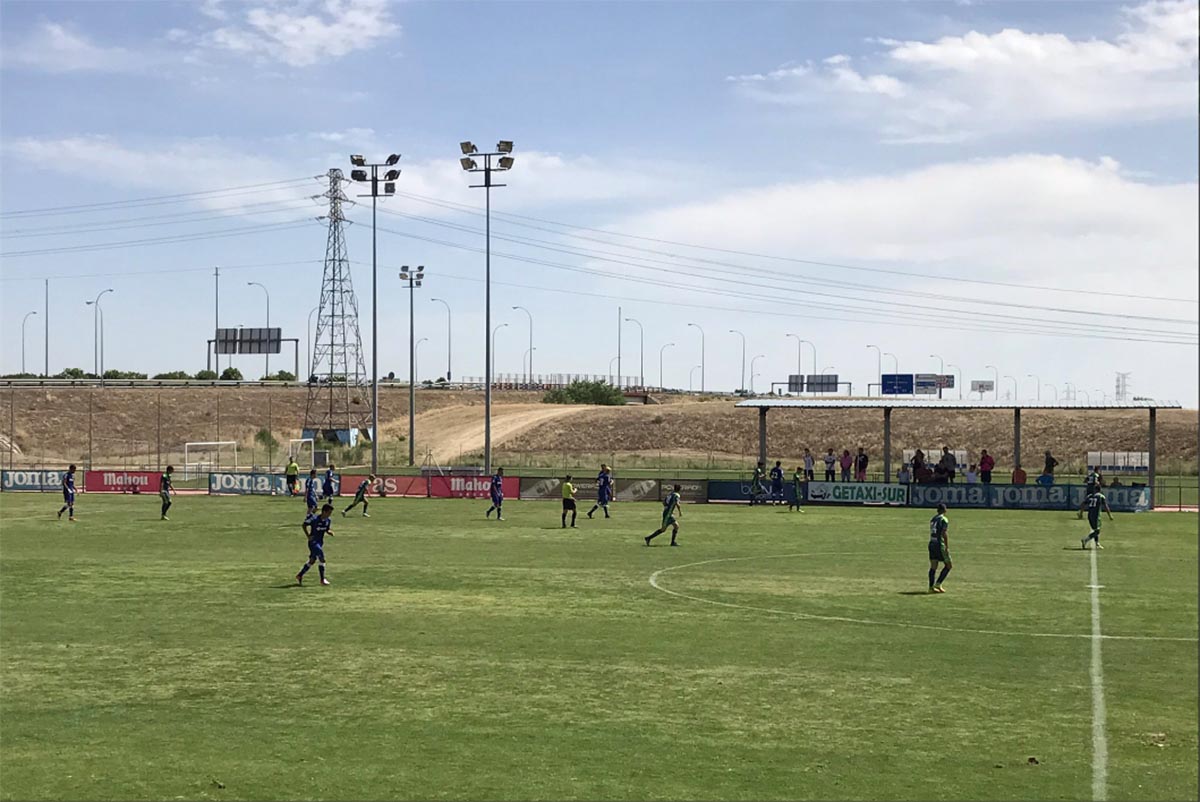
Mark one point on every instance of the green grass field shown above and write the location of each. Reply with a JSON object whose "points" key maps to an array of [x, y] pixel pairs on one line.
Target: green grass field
{"points": [[460, 658]]}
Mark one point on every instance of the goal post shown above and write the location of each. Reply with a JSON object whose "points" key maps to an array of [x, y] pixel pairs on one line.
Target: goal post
{"points": [[202, 457], [303, 450]]}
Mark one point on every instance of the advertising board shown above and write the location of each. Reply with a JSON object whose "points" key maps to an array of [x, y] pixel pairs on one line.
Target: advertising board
{"points": [[417, 486], [857, 493], [121, 481], [823, 383], [37, 481], [690, 490], [470, 486], [255, 484], [1029, 497], [637, 490]]}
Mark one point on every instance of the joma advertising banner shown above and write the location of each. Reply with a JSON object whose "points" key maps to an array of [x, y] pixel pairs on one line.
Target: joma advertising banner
{"points": [[1030, 497], [857, 493], [409, 486], [43, 481], [121, 481], [471, 486], [257, 484]]}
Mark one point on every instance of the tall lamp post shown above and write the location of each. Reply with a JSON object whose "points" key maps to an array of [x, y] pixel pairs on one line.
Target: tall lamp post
{"points": [[267, 366], [612, 362], [504, 161], [662, 386], [814, 350], [27, 315], [941, 371], [752, 361], [98, 335], [1037, 380], [742, 388], [417, 354], [529, 374], [799, 357], [641, 352], [449, 332], [1016, 389], [389, 188], [414, 279], [995, 382], [692, 375], [697, 327], [1054, 390], [527, 355], [958, 381], [493, 343], [879, 367]]}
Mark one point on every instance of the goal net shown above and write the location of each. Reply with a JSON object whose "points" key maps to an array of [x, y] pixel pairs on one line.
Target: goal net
{"points": [[199, 459], [302, 449]]}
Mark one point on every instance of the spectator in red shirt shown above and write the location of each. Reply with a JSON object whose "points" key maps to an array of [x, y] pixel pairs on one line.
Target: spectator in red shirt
{"points": [[1018, 476], [847, 464], [986, 463]]}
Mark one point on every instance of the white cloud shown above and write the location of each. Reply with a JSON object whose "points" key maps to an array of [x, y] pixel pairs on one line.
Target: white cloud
{"points": [[962, 86], [299, 33], [52, 47]]}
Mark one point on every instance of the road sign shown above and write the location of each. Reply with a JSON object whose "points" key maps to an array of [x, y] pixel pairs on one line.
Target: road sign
{"points": [[227, 341], [925, 384], [825, 383], [249, 341], [897, 384], [946, 381], [982, 386], [795, 383]]}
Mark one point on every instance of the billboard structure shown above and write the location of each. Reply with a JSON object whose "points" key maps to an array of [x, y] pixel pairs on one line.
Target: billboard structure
{"points": [[896, 384], [822, 383]]}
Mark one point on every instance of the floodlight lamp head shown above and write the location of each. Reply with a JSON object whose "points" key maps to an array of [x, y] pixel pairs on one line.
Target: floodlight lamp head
{"points": [[504, 146], [506, 162], [418, 283], [395, 157], [358, 175], [389, 188], [391, 175], [358, 161], [468, 148], [467, 164]]}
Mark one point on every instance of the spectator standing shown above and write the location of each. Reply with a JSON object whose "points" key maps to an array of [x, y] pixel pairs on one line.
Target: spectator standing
{"points": [[948, 464], [830, 461], [1051, 464], [972, 477], [808, 465], [860, 466], [902, 475], [986, 463], [1018, 476], [847, 463]]}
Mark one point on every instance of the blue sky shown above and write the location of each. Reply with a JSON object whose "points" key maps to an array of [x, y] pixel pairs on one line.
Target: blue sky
{"points": [[976, 151]]}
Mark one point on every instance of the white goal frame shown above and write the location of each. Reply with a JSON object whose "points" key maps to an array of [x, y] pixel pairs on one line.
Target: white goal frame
{"points": [[202, 467], [296, 449]]}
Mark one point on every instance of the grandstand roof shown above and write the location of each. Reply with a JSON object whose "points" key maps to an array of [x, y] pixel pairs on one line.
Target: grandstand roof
{"points": [[943, 403]]}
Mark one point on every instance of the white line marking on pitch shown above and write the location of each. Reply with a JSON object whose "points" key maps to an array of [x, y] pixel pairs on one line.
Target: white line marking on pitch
{"points": [[1095, 636], [1099, 738]]}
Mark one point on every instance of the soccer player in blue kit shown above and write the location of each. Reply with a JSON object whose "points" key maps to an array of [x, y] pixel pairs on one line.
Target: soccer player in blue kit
{"points": [[310, 492], [316, 527], [497, 494], [68, 491], [604, 491], [327, 485]]}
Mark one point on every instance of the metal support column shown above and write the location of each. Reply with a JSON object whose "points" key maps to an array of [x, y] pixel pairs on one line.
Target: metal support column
{"points": [[887, 444], [1153, 452], [1016, 437], [762, 434]]}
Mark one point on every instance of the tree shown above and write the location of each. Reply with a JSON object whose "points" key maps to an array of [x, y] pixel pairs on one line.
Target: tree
{"points": [[585, 392], [123, 374], [205, 375], [231, 375], [74, 373], [174, 374], [281, 376]]}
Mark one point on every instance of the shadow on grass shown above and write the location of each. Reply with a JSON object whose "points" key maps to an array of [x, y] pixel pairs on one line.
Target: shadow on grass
{"points": [[285, 587], [913, 593]]}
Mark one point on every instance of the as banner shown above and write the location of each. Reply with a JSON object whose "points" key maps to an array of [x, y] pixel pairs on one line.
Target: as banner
{"points": [[417, 486], [857, 493]]}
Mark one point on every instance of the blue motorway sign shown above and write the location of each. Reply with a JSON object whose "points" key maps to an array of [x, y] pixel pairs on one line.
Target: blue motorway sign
{"points": [[897, 384]]}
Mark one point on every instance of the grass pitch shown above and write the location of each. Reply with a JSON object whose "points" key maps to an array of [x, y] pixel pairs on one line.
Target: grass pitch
{"points": [[455, 657]]}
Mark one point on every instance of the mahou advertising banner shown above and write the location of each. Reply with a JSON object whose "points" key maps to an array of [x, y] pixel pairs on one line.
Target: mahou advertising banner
{"points": [[471, 486], [121, 481]]}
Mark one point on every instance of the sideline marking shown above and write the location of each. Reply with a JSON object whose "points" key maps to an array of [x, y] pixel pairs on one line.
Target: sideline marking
{"points": [[1095, 636], [1099, 738]]}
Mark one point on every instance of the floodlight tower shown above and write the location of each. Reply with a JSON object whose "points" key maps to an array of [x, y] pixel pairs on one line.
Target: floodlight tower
{"points": [[389, 188], [504, 161], [414, 279]]}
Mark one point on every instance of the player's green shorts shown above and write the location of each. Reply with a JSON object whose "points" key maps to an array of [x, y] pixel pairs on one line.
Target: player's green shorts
{"points": [[939, 552], [164, 495], [668, 520], [1094, 522]]}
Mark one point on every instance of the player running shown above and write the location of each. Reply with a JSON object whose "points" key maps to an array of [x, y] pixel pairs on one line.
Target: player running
{"points": [[360, 496], [777, 483], [939, 548], [165, 489], [670, 517], [568, 491], [316, 527], [68, 491], [327, 484], [497, 492], [604, 491], [310, 492], [1094, 502]]}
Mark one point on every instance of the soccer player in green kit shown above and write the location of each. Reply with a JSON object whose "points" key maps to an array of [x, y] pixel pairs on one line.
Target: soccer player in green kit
{"points": [[1094, 502], [798, 479], [939, 549], [670, 517], [165, 489]]}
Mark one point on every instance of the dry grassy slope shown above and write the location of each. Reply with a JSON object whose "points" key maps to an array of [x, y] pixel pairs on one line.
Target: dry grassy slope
{"points": [[717, 427]]}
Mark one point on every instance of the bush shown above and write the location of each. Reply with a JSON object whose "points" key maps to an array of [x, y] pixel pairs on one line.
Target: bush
{"points": [[265, 439], [281, 376], [74, 373], [599, 393], [175, 374], [231, 375], [205, 375], [19, 376]]}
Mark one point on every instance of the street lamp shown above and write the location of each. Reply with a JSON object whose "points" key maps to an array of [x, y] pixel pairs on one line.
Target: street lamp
{"points": [[1038, 382], [692, 374], [267, 367], [98, 335], [27, 314], [389, 188], [799, 358], [449, 332], [958, 381], [879, 366], [814, 350], [527, 355], [742, 388], [752, 374], [529, 374], [1016, 391], [701, 357], [1054, 390], [895, 361], [941, 371], [414, 279], [641, 352], [417, 354], [504, 162], [662, 386], [309, 331], [612, 362], [1086, 395], [995, 382], [493, 344]]}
